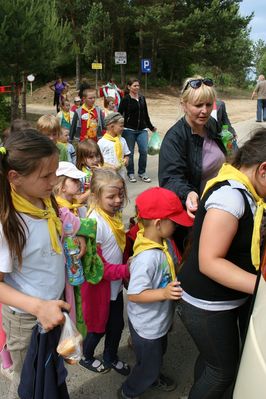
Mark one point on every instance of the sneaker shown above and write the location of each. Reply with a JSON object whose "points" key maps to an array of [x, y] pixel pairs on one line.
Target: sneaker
{"points": [[132, 179], [164, 384], [122, 395], [94, 365], [145, 178], [8, 372]]}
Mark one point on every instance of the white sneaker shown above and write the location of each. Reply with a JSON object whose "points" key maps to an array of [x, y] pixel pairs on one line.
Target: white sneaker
{"points": [[145, 178], [132, 179], [8, 372]]}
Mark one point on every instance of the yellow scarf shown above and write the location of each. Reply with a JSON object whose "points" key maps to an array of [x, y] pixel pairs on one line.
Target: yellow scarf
{"points": [[118, 146], [142, 244], [116, 225], [66, 116], [54, 223], [228, 172], [90, 114], [63, 203]]}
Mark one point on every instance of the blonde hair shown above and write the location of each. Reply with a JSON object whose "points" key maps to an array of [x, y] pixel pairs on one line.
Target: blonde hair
{"points": [[86, 149], [101, 178], [49, 124], [203, 94], [59, 185]]}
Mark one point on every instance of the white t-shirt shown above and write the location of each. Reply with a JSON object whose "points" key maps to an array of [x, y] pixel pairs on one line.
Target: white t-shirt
{"points": [[107, 148], [42, 273], [150, 270], [110, 249]]}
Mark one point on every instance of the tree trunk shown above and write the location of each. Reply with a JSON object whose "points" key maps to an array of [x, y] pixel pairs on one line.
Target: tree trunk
{"points": [[77, 70], [14, 100], [155, 43], [24, 96], [140, 51]]}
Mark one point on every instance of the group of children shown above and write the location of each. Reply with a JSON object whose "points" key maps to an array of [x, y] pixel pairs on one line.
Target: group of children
{"points": [[36, 195]]}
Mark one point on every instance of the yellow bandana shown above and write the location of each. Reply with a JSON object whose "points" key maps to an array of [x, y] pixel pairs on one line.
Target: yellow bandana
{"points": [[116, 225], [142, 244], [228, 172], [63, 203], [54, 223], [118, 146], [66, 116]]}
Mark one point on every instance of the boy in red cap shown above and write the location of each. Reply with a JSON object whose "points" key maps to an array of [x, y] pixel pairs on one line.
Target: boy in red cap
{"points": [[152, 289]]}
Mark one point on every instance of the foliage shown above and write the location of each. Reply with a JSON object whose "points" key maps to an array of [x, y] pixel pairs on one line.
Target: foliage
{"points": [[4, 113]]}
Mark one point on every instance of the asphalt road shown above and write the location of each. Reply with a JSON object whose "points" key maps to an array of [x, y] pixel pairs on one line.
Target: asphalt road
{"points": [[181, 353]]}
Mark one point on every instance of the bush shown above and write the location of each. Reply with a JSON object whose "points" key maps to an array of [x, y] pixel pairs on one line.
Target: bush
{"points": [[4, 112]]}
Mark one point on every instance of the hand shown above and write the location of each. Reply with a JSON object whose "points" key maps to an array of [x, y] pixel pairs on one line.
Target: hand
{"points": [[192, 203], [154, 129], [125, 161], [49, 313], [82, 246], [173, 291]]}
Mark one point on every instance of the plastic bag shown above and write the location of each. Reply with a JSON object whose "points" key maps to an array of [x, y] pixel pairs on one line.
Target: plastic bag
{"points": [[154, 144], [70, 342]]}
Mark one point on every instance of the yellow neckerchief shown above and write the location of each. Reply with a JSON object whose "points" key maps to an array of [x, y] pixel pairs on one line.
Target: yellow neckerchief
{"points": [[54, 223], [66, 116], [228, 172], [63, 203], [90, 113], [116, 225], [143, 243], [118, 146]]}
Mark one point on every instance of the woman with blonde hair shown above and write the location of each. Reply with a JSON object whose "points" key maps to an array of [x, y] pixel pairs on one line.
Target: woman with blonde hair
{"points": [[192, 151]]}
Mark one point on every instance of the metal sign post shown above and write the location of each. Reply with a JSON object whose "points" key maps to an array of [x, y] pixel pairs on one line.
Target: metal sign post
{"points": [[96, 66], [146, 68], [30, 78]]}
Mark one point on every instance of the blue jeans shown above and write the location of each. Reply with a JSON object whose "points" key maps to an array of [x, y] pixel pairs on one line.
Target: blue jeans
{"points": [[149, 359], [261, 110], [141, 138], [217, 337]]}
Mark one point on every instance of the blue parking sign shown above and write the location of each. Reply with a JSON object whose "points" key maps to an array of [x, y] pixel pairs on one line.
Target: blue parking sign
{"points": [[145, 65]]}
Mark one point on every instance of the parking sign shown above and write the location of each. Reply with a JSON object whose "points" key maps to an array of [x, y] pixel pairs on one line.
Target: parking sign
{"points": [[145, 65]]}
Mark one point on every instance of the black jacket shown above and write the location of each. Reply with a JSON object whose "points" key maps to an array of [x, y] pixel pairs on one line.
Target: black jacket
{"points": [[135, 113], [180, 158]]}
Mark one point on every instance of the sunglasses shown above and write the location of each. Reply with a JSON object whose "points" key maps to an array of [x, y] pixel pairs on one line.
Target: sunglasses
{"points": [[196, 83]]}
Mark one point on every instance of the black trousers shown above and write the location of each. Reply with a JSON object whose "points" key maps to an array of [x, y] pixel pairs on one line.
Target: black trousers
{"points": [[112, 334]]}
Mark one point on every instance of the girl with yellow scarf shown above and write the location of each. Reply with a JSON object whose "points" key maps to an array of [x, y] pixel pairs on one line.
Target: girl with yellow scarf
{"points": [[219, 275]]}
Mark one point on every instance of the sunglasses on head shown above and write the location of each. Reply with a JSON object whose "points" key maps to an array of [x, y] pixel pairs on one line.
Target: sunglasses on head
{"points": [[196, 83]]}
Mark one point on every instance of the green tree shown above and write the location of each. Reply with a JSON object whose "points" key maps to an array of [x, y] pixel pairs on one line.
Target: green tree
{"points": [[32, 39]]}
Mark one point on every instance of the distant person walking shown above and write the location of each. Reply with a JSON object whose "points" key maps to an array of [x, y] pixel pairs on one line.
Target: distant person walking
{"points": [[134, 109], [58, 87], [260, 91]]}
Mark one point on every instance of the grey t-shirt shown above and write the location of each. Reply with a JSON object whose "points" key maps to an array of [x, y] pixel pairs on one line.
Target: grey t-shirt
{"points": [[150, 270]]}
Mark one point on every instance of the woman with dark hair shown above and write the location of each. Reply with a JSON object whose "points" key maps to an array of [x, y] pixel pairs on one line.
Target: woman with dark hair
{"points": [[218, 277], [134, 109], [58, 87]]}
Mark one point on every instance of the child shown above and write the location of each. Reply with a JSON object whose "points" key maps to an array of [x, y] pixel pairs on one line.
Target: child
{"points": [[65, 116], [63, 139], [114, 147], [109, 105], [67, 187], [152, 289], [76, 105], [32, 270], [89, 157], [49, 126], [88, 119], [103, 302]]}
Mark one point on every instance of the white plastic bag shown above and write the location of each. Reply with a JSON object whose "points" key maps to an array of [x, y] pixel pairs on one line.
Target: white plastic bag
{"points": [[70, 342]]}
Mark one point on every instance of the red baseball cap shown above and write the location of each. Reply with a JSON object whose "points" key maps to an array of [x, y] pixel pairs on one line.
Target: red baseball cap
{"points": [[160, 203]]}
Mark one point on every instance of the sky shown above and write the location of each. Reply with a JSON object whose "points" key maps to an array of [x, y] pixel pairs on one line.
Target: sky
{"points": [[258, 23]]}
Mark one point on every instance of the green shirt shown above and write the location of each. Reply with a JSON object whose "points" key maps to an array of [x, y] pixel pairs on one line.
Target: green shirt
{"points": [[63, 155]]}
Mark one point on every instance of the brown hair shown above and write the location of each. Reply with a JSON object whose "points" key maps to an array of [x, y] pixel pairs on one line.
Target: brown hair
{"points": [[107, 101], [59, 185], [253, 151], [24, 150], [86, 149]]}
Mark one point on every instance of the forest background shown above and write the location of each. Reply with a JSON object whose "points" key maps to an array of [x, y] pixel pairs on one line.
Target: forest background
{"points": [[207, 37]]}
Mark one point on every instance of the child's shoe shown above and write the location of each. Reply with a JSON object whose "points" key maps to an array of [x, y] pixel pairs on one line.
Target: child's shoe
{"points": [[121, 367], [164, 383], [7, 372], [95, 365]]}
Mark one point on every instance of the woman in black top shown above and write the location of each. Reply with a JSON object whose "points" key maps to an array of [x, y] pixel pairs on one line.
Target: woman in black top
{"points": [[133, 107]]}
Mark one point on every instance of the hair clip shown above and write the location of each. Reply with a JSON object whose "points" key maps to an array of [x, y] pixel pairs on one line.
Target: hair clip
{"points": [[3, 150]]}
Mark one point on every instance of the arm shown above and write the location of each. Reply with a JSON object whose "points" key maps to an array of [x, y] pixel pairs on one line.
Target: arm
{"points": [[146, 116], [218, 231], [224, 119], [49, 313], [172, 291], [174, 170], [112, 271], [52, 87]]}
